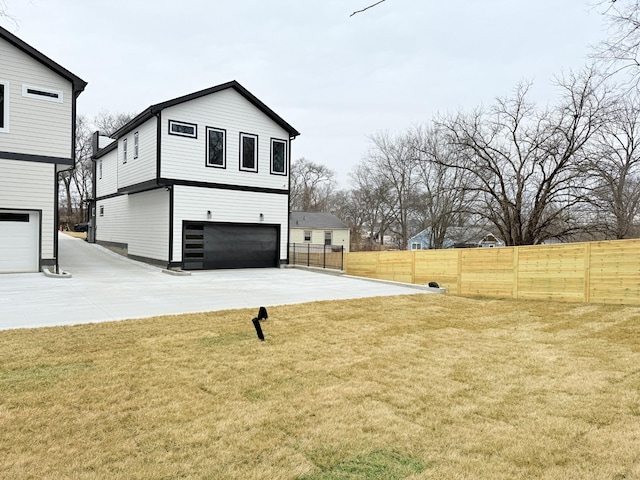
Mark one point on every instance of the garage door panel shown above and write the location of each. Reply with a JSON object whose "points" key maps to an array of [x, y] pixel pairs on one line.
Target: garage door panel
{"points": [[19, 241], [231, 246]]}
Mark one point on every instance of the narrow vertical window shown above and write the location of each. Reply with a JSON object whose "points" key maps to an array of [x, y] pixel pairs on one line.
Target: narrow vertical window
{"points": [[248, 152], [102, 210], [216, 151], [278, 157], [327, 238], [307, 235], [4, 106], [136, 144], [124, 151], [100, 169]]}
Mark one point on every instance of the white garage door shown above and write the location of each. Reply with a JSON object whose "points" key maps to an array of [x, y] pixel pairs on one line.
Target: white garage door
{"points": [[19, 241]]}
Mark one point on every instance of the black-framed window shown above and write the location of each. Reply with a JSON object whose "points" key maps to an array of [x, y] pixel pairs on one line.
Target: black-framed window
{"points": [[124, 151], [4, 102], [216, 147], [278, 156], [14, 217], [248, 152], [102, 210], [100, 169], [183, 129], [136, 144]]}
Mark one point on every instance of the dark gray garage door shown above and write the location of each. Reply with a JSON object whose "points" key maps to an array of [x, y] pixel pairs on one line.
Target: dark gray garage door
{"points": [[211, 246]]}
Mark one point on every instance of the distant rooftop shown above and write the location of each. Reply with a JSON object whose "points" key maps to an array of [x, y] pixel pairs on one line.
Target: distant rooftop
{"points": [[315, 220]]}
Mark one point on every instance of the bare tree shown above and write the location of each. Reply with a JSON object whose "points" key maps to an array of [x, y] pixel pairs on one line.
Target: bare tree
{"points": [[312, 185], [526, 164], [107, 122], [615, 163], [393, 161], [369, 198], [620, 52]]}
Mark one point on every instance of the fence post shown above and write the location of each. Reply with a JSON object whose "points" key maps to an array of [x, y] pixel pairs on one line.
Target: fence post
{"points": [[341, 257], [324, 257], [308, 254]]}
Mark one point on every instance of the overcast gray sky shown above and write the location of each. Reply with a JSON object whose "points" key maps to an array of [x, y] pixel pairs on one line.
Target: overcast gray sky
{"points": [[335, 78]]}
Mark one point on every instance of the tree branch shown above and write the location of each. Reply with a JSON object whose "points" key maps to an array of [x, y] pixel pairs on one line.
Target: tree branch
{"points": [[366, 8]]}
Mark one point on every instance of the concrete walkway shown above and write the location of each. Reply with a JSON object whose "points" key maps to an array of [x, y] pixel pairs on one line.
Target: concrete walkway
{"points": [[105, 286]]}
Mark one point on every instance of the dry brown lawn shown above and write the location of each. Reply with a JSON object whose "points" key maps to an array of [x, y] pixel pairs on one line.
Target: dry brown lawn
{"points": [[410, 387], [82, 235]]}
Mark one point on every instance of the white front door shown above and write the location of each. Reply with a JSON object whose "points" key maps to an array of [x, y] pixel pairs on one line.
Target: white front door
{"points": [[19, 241]]}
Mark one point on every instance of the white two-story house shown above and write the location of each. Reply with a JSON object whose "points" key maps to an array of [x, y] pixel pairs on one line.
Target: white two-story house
{"points": [[197, 182], [37, 141]]}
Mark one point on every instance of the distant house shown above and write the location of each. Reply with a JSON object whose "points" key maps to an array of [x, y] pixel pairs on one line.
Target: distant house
{"points": [[37, 141], [457, 237], [318, 228], [197, 182]]}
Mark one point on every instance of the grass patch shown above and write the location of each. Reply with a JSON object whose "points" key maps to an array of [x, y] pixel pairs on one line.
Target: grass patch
{"points": [[409, 387], [373, 466]]}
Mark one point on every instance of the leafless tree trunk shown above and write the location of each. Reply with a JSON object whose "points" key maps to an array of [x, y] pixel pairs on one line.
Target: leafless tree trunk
{"points": [[446, 199], [394, 162]]}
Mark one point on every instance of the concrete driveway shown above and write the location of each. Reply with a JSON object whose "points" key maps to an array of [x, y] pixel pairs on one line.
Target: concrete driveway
{"points": [[105, 286]]}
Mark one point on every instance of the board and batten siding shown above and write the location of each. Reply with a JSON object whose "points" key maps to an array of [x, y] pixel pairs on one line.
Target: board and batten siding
{"points": [[143, 168], [36, 126], [107, 183], [40, 195], [148, 234], [192, 203], [185, 158]]}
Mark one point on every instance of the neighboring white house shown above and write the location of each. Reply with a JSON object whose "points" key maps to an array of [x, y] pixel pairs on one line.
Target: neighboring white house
{"points": [[457, 237], [319, 229], [37, 141], [197, 182]]}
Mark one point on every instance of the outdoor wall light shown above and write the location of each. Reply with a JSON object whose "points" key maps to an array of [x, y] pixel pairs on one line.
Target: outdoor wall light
{"points": [[261, 216], [208, 213]]}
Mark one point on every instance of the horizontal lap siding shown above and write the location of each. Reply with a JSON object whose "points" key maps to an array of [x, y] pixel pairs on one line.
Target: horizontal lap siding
{"points": [[184, 158], [615, 272], [552, 272], [108, 184], [15, 176], [36, 127], [114, 225], [143, 168], [192, 203], [148, 234]]}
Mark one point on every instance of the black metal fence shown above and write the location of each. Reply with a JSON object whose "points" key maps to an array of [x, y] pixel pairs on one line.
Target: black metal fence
{"points": [[322, 256]]}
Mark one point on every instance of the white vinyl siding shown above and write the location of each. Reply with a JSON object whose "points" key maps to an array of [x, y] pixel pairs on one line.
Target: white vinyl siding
{"points": [[192, 203], [112, 220], [338, 236], [36, 127], [107, 184], [143, 168], [148, 234], [40, 194], [141, 221], [185, 158]]}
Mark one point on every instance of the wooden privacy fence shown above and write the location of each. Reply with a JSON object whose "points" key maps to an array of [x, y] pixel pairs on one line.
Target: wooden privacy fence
{"points": [[596, 272]]}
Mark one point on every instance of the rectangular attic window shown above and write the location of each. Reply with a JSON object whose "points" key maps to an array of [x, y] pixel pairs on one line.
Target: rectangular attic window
{"points": [[42, 93]]}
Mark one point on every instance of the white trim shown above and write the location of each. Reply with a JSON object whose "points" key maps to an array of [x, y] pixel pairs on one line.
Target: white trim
{"points": [[173, 123], [255, 152], [284, 160], [7, 91], [224, 147], [136, 144], [43, 93], [124, 151]]}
